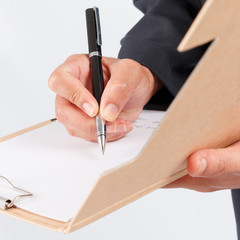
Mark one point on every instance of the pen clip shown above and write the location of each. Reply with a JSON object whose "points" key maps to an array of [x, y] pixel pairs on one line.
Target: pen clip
{"points": [[97, 18]]}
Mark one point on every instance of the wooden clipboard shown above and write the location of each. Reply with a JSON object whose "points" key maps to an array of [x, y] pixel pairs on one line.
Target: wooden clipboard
{"points": [[205, 114]]}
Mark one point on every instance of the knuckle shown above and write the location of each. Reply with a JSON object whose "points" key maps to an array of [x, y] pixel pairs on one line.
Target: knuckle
{"points": [[130, 63], [66, 67], [52, 81], [136, 69], [71, 57], [75, 97], [221, 166], [55, 78], [122, 87]]}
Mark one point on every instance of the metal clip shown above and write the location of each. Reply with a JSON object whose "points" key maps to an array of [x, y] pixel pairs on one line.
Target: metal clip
{"points": [[97, 17], [8, 203]]}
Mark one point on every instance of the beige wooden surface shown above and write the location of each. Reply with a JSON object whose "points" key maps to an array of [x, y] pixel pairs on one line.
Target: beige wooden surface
{"points": [[35, 219], [205, 114], [25, 130]]}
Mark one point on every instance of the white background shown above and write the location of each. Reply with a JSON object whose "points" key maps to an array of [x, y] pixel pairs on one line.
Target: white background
{"points": [[37, 36]]}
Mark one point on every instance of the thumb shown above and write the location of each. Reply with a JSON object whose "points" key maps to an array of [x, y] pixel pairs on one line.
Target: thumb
{"points": [[214, 162], [118, 91]]}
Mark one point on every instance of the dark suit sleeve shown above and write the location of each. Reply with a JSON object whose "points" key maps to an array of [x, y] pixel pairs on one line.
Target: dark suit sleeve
{"points": [[153, 42]]}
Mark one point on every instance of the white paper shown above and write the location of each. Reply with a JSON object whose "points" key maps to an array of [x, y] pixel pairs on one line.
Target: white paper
{"points": [[61, 170]]}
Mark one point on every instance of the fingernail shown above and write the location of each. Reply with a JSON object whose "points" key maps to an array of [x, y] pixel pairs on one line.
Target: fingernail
{"points": [[118, 128], [110, 112], [203, 166], [89, 109]]}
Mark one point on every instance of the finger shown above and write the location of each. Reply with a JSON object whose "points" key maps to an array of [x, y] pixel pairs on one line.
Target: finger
{"points": [[124, 79], [75, 120], [193, 183], [197, 183], [116, 136], [76, 132], [65, 84], [214, 162], [78, 124], [119, 126], [110, 136]]}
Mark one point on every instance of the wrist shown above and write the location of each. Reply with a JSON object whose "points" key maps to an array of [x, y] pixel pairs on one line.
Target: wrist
{"points": [[155, 83]]}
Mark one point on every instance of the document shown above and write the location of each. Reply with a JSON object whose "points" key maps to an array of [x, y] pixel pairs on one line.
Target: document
{"points": [[60, 170]]}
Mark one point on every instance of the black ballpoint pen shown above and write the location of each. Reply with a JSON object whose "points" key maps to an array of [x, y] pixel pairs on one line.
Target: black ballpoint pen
{"points": [[95, 55]]}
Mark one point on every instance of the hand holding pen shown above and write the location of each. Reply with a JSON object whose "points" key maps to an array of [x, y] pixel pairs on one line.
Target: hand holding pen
{"points": [[128, 87]]}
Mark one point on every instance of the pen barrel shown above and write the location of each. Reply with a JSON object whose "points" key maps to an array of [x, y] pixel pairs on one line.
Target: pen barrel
{"points": [[95, 54], [92, 31], [97, 77]]}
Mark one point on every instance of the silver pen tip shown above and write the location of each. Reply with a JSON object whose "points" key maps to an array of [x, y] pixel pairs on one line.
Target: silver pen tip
{"points": [[102, 142]]}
